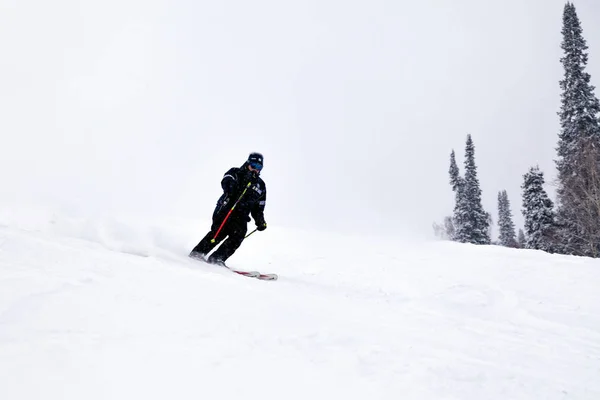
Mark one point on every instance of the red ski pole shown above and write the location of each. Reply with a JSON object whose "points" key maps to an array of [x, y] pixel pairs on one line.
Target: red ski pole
{"points": [[229, 213]]}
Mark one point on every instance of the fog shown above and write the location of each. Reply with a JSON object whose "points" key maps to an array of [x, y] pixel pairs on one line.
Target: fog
{"points": [[139, 107]]}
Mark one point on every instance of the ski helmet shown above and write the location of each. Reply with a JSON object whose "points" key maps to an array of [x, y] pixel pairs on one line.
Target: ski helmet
{"points": [[255, 160]]}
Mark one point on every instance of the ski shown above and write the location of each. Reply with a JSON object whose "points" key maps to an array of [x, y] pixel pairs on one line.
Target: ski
{"points": [[249, 274], [268, 277], [256, 274]]}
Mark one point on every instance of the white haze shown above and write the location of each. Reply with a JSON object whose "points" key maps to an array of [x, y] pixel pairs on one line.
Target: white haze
{"points": [[139, 107]]}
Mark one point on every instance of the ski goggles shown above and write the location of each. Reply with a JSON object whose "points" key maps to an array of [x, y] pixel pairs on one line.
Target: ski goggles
{"points": [[256, 166]]}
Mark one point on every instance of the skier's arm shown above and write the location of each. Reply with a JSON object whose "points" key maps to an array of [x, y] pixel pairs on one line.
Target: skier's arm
{"points": [[258, 210], [229, 181]]}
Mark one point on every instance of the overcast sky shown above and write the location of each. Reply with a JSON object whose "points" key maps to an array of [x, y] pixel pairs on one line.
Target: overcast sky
{"points": [[131, 106]]}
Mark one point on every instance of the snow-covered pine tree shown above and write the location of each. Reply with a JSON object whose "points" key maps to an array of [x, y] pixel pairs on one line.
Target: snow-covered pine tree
{"points": [[438, 231], [538, 212], [501, 213], [460, 214], [477, 220], [578, 149], [449, 229], [445, 230], [455, 178], [522, 241], [505, 224], [490, 224]]}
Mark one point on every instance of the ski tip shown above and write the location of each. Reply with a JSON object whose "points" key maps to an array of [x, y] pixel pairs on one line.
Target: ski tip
{"points": [[268, 277], [257, 275]]}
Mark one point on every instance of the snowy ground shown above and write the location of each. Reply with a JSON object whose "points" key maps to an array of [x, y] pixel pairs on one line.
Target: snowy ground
{"points": [[114, 310]]}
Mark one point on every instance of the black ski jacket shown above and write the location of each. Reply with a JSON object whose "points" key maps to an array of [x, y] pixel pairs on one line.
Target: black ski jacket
{"points": [[253, 202]]}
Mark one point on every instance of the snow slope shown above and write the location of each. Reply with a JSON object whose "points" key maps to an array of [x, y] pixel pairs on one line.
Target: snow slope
{"points": [[114, 310]]}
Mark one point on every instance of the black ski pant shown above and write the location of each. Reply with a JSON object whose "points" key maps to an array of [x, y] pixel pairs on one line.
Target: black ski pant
{"points": [[234, 230]]}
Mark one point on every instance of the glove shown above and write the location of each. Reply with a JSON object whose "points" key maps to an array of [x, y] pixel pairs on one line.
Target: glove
{"points": [[262, 226]]}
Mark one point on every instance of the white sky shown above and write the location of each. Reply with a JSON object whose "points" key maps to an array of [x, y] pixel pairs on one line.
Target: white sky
{"points": [[140, 106]]}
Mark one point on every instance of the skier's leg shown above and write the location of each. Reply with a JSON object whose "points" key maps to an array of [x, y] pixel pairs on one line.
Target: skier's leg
{"points": [[206, 244], [236, 233]]}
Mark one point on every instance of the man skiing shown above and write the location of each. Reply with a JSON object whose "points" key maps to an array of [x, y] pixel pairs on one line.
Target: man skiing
{"points": [[244, 193]]}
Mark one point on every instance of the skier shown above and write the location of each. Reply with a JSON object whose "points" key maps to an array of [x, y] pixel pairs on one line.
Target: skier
{"points": [[244, 193]]}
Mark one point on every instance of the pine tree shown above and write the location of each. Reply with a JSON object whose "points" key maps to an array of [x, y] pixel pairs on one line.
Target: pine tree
{"points": [[490, 224], [449, 229], [522, 241], [538, 212], [578, 149], [477, 220], [505, 223], [579, 107], [445, 230], [459, 217], [455, 178]]}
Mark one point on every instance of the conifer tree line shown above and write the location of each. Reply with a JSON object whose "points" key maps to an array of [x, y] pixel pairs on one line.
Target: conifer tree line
{"points": [[571, 224]]}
